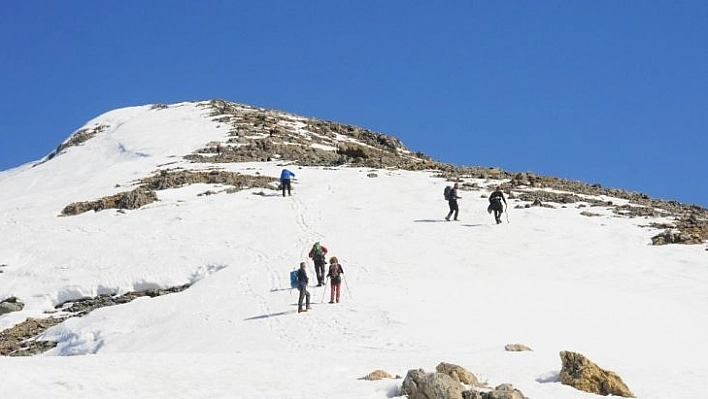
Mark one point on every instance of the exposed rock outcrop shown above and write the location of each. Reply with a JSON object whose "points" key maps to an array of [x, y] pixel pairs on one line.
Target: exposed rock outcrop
{"points": [[421, 385], [458, 373], [145, 193], [582, 374], [21, 340], [11, 304], [377, 375], [517, 348]]}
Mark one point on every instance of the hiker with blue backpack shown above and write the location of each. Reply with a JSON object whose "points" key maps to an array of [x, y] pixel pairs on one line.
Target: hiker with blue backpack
{"points": [[285, 176], [335, 275], [302, 281], [451, 197], [317, 254]]}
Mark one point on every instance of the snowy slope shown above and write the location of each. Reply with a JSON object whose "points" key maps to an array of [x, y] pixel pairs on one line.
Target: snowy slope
{"points": [[418, 290]]}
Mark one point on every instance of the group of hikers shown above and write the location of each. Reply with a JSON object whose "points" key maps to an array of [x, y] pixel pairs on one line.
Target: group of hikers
{"points": [[318, 255], [495, 203]]}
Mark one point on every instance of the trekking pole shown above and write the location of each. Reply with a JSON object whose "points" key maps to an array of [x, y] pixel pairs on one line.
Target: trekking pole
{"points": [[347, 285], [324, 289]]}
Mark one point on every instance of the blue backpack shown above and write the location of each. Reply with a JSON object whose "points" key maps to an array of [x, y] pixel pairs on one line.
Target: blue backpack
{"points": [[293, 279]]}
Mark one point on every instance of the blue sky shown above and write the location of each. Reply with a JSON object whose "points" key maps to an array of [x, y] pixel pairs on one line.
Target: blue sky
{"points": [[608, 92]]}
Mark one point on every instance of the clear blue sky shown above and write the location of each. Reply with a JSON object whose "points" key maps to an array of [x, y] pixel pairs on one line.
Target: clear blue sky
{"points": [[609, 92]]}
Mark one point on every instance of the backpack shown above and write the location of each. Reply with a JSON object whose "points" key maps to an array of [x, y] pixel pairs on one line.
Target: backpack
{"points": [[334, 271], [318, 253], [447, 193], [293, 279]]}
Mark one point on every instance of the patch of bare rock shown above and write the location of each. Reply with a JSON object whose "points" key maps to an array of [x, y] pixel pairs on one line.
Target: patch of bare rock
{"points": [[21, 339], [582, 374], [145, 193]]}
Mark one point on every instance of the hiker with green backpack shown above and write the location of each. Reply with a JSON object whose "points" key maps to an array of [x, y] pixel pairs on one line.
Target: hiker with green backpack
{"points": [[318, 253]]}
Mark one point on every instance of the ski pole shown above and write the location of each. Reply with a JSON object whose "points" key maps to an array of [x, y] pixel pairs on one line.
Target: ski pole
{"points": [[507, 216], [324, 289], [347, 285]]}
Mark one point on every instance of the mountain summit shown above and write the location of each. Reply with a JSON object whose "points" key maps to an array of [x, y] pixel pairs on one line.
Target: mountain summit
{"points": [[149, 256]]}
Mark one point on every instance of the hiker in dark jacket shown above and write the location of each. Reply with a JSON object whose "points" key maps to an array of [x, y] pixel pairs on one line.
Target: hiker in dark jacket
{"points": [[285, 176], [452, 203], [302, 287], [335, 274], [317, 254], [495, 204]]}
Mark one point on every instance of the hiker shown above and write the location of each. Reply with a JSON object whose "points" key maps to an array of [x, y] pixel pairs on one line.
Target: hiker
{"points": [[495, 204], [302, 287], [317, 253], [335, 274], [285, 176], [452, 202]]}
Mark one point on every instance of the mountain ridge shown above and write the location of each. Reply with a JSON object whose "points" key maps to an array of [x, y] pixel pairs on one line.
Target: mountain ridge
{"points": [[254, 134]]}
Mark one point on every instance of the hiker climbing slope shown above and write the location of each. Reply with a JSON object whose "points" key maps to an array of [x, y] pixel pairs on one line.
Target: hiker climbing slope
{"points": [[335, 275], [317, 254], [495, 204], [451, 197], [302, 287], [285, 177]]}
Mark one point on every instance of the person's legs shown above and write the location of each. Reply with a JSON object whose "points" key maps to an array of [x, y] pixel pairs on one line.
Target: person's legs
{"points": [[332, 288], [451, 205], [319, 270], [307, 299], [300, 298], [457, 210], [282, 185], [339, 285], [289, 186]]}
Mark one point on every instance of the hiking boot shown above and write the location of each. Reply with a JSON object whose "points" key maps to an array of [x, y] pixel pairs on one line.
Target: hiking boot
{"points": [[308, 308], [447, 218], [300, 310]]}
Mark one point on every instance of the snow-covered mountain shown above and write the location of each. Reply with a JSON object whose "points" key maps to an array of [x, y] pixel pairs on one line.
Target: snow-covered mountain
{"points": [[185, 196]]}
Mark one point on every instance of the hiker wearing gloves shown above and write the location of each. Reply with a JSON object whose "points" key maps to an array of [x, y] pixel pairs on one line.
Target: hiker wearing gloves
{"points": [[451, 197], [495, 204], [302, 287], [317, 254], [285, 176], [335, 274]]}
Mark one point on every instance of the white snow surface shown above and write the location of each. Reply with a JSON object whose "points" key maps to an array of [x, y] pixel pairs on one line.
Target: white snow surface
{"points": [[418, 290]]}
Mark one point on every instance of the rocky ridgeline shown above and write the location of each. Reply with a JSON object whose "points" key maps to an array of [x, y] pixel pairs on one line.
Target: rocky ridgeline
{"points": [[21, 340], [257, 135]]}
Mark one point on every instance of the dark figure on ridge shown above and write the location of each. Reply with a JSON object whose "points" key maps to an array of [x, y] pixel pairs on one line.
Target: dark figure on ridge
{"points": [[495, 204], [451, 197]]}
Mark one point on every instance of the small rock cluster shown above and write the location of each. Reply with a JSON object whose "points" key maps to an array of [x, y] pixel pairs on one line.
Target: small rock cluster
{"points": [[450, 381]]}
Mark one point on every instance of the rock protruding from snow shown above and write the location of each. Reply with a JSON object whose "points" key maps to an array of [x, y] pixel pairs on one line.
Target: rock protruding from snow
{"points": [[517, 348], [421, 385], [503, 391], [582, 374], [458, 373], [10, 305]]}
